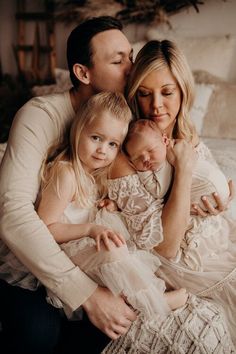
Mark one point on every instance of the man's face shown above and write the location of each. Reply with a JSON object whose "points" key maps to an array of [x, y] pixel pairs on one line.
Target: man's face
{"points": [[111, 61]]}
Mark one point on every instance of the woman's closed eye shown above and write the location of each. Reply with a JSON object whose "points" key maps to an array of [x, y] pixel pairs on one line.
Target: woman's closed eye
{"points": [[167, 93], [143, 93]]}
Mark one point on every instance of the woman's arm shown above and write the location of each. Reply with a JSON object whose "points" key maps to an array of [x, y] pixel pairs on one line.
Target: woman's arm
{"points": [[176, 212]]}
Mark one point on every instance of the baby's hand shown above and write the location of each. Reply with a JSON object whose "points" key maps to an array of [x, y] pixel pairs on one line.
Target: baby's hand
{"points": [[181, 155], [102, 234], [110, 205]]}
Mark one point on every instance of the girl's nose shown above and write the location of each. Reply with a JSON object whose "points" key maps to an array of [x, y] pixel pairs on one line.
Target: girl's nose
{"points": [[102, 148]]}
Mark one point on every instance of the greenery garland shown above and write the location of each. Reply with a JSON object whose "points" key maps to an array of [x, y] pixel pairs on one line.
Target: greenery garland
{"points": [[128, 11]]}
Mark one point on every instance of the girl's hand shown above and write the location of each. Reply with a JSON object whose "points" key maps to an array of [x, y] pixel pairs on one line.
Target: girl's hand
{"points": [[102, 234], [209, 208], [110, 205]]}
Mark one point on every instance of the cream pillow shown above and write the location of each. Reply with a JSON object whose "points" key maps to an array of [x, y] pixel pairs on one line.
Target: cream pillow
{"points": [[202, 95], [220, 118], [214, 54]]}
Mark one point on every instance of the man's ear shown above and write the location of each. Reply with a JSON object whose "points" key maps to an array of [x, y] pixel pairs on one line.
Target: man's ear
{"points": [[82, 73]]}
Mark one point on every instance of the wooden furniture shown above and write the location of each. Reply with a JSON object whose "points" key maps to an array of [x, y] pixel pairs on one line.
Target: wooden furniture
{"points": [[35, 61]]}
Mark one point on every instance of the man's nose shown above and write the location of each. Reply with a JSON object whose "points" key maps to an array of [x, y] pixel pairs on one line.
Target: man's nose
{"points": [[128, 66]]}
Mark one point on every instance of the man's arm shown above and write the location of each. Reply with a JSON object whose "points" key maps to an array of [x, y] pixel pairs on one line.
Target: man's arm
{"points": [[33, 130]]}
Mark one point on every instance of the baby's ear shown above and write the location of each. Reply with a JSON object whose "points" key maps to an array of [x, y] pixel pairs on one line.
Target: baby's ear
{"points": [[166, 140]]}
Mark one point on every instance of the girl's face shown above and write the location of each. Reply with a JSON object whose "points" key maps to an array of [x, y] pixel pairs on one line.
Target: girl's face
{"points": [[147, 150], [159, 99], [100, 141]]}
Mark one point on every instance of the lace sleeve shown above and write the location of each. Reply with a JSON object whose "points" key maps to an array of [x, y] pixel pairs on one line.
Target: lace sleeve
{"points": [[141, 211], [205, 154]]}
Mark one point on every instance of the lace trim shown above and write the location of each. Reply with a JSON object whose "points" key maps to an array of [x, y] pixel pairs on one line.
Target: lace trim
{"points": [[220, 285], [141, 211]]}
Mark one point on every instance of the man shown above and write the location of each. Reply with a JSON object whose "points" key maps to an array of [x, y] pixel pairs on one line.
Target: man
{"points": [[99, 58]]}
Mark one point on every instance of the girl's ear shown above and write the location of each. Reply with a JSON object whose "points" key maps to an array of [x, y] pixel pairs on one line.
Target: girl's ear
{"points": [[82, 73]]}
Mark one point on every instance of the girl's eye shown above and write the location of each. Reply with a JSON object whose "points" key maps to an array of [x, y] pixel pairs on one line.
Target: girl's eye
{"points": [[113, 144], [95, 138]]}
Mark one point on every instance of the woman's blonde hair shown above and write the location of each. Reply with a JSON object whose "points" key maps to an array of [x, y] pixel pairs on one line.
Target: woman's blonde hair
{"points": [[68, 149], [156, 55]]}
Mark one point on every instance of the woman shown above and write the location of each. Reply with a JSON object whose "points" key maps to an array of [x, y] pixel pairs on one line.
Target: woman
{"points": [[161, 88]]}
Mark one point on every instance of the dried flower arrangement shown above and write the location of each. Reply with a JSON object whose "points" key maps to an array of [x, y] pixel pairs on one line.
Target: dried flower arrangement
{"points": [[128, 11]]}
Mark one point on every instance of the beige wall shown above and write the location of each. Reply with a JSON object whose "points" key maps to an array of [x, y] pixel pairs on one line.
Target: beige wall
{"points": [[216, 17]]}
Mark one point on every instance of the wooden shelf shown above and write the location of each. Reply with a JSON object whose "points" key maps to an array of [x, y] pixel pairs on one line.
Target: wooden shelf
{"points": [[35, 61]]}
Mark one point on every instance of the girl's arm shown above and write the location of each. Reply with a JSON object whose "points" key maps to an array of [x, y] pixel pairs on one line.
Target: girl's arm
{"points": [[51, 208]]}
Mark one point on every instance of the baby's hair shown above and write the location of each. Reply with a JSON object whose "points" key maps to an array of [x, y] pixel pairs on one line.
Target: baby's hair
{"points": [[136, 128], [67, 150]]}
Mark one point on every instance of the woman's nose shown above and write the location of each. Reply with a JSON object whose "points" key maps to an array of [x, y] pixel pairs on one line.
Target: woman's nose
{"points": [[157, 101]]}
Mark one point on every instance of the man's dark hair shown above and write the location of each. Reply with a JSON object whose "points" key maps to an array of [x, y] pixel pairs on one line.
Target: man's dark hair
{"points": [[79, 49]]}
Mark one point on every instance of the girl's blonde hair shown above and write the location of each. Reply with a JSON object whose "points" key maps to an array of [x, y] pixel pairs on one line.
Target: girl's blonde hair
{"points": [[156, 55], [67, 149]]}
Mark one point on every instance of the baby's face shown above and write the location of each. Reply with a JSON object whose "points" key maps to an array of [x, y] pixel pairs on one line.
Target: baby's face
{"points": [[147, 150]]}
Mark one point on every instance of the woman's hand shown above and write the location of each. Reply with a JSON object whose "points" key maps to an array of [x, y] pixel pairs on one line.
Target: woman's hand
{"points": [[102, 234], [218, 207]]}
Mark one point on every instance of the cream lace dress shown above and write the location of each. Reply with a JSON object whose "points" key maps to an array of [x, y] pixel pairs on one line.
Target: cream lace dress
{"points": [[131, 274], [206, 261]]}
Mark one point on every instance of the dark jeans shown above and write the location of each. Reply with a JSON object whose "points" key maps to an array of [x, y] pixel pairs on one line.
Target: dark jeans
{"points": [[31, 326]]}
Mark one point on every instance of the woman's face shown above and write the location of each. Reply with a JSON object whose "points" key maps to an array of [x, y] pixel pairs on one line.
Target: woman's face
{"points": [[159, 99]]}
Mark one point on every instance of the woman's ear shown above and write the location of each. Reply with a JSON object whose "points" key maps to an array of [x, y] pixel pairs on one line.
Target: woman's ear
{"points": [[82, 73]]}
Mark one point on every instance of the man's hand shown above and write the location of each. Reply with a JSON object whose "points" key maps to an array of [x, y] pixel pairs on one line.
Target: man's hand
{"points": [[109, 313]]}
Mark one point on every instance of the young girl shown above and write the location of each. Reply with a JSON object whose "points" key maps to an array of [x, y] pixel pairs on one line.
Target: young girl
{"points": [[74, 181]]}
